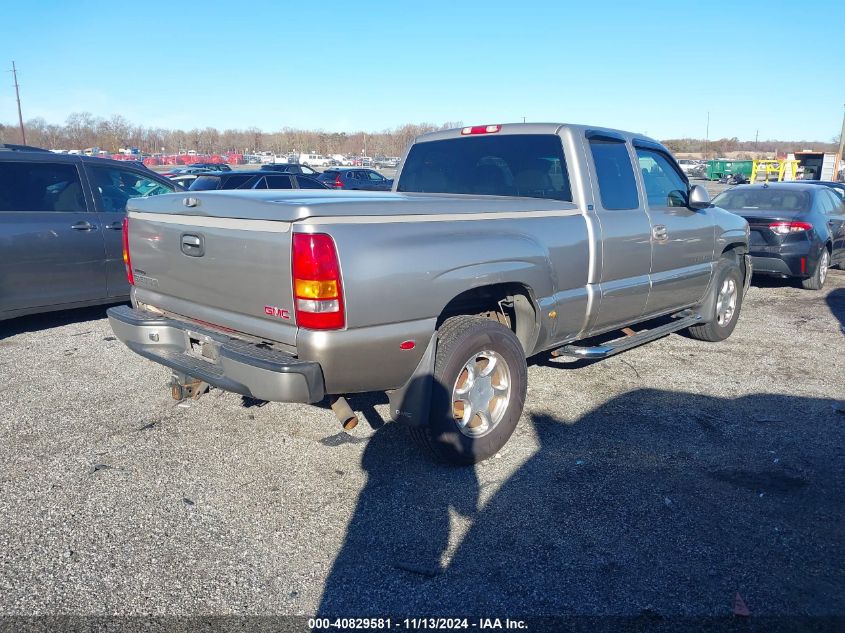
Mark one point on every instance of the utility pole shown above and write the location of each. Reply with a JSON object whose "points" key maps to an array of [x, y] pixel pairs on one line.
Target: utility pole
{"points": [[841, 142], [707, 137], [756, 138], [18, 93]]}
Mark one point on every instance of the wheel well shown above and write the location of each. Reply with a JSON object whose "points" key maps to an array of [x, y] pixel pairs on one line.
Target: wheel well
{"points": [[510, 304], [735, 249]]}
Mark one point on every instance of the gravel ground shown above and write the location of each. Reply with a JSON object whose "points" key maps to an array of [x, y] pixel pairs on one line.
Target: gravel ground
{"points": [[655, 484]]}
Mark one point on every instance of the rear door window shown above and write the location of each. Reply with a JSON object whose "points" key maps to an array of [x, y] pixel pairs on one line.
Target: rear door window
{"points": [[26, 186], [614, 173], [833, 205], [527, 165]]}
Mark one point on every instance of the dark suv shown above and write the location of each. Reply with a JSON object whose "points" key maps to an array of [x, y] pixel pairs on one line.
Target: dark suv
{"points": [[61, 217], [254, 180], [355, 178]]}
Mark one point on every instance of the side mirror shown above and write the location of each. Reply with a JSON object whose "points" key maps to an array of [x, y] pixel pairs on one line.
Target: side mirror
{"points": [[698, 197]]}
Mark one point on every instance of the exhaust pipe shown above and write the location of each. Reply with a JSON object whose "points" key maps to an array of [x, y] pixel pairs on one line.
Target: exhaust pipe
{"points": [[344, 413]]}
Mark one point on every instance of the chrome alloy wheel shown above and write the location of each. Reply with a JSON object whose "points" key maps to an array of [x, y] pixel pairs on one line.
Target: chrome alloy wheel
{"points": [[824, 264], [726, 302], [481, 393]]}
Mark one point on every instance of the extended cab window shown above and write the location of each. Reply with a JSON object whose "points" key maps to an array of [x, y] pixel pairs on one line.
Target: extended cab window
{"points": [[664, 186], [528, 165], [116, 186], [26, 186], [615, 175]]}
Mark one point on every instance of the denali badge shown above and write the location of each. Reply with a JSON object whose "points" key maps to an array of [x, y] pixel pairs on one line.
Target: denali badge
{"points": [[281, 313]]}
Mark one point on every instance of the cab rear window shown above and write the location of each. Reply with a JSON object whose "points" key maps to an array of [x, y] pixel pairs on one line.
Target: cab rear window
{"points": [[526, 165]]}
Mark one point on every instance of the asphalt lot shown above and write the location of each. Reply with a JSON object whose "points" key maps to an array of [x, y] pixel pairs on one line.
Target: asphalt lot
{"points": [[655, 484]]}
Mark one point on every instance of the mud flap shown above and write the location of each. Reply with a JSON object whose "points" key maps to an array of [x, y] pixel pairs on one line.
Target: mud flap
{"points": [[410, 403], [749, 270]]}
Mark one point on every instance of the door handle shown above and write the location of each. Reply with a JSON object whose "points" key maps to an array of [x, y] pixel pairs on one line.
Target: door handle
{"points": [[115, 226], [192, 245], [83, 226], [660, 233]]}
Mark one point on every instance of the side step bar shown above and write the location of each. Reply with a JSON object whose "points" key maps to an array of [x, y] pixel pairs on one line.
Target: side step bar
{"points": [[626, 342]]}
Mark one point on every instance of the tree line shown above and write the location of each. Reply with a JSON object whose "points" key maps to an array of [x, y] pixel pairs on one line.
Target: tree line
{"points": [[723, 146], [82, 130]]}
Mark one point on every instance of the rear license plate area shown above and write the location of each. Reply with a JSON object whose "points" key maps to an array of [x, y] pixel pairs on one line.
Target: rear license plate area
{"points": [[201, 347]]}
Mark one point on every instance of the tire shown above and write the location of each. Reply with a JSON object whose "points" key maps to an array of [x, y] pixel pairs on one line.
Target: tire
{"points": [[454, 433], [816, 281], [727, 304]]}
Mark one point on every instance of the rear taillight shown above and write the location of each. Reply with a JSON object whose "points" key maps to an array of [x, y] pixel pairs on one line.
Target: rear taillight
{"points": [[785, 228], [337, 182], [317, 291], [126, 260], [481, 129]]}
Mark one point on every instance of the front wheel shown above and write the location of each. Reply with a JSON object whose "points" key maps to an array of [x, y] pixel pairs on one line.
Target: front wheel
{"points": [[726, 307], [478, 391]]}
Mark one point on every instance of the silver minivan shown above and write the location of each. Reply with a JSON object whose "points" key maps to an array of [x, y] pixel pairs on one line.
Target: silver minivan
{"points": [[60, 228]]}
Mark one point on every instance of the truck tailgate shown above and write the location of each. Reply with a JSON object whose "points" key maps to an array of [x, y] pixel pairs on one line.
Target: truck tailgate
{"points": [[229, 272]]}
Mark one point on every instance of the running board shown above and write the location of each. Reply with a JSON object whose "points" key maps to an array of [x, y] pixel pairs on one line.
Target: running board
{"points": [[626, 342]]}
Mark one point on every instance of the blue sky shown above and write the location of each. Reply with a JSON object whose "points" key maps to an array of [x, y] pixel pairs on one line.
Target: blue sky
{"points": [[655, 67]]}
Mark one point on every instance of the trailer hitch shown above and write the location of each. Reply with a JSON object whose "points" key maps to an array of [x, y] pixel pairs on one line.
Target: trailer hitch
{"points": [[183, 387]]}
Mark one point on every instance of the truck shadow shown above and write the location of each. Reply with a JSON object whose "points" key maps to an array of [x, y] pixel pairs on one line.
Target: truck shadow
{"points": [[655, 504], [836, 303]]}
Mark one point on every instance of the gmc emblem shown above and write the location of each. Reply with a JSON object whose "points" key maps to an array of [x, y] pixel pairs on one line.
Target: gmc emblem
{"points": [[279, 313]]}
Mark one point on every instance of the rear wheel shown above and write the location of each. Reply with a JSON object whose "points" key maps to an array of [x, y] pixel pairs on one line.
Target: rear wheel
{"points": [[726, 307], [816, 282], [478, 391]]}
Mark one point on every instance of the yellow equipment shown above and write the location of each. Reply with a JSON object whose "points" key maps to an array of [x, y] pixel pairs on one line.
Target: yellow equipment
{"points": [[768, 170], [765, 170]]}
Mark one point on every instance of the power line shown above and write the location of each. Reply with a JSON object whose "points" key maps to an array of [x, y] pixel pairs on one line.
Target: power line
{"points": [[18, 94]]}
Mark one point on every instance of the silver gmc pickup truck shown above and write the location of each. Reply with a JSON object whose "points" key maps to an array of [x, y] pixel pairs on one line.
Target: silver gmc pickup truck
{"points": [[497, 243]]}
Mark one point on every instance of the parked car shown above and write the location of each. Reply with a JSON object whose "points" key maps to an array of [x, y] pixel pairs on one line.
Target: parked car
{"points": [[12, 147], [692, 168], [314, 160], [797, 229], [524, 247], [291, 168], [183, 180], [389, 162], [212, 166], [60, 228], [254, 180], [178, 171], [355, 178]]}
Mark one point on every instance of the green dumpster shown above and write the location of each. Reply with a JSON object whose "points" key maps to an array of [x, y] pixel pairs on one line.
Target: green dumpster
{"points": [[722, 167]]}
